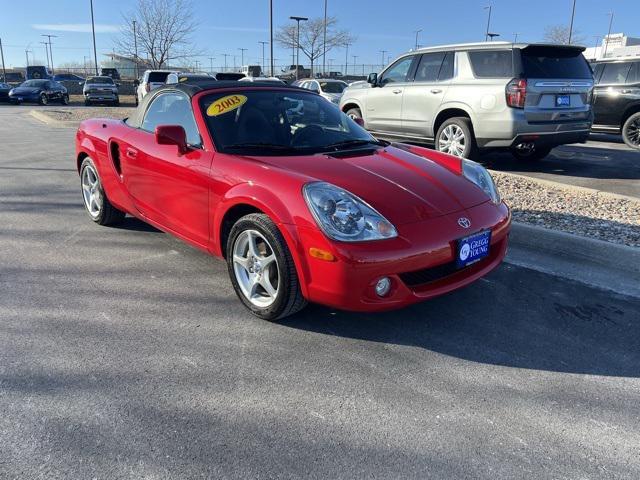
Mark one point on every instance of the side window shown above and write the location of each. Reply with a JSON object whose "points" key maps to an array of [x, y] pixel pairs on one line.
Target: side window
{"points": [[447, 69], [634, 74], [597, 71], [492, 63], [429, 67], [398, 72], [615, 73], [172, 109]]}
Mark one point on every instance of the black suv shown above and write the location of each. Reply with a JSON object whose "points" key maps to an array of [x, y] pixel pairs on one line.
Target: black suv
{"points": [[616, 99]]}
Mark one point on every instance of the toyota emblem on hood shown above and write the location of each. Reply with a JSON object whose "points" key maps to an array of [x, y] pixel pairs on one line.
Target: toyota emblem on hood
{"points": [[464, 222]]}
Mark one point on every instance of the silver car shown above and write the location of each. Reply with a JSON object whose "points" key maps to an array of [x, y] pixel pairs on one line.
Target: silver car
{"points": [[527, 98], [330, 89]]}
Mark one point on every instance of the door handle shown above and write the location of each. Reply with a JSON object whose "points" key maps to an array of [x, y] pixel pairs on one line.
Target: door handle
{"points": [[132, 152], [436, 90], [397, 91]]}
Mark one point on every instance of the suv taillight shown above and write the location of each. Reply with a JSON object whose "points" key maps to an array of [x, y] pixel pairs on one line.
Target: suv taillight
{"points": [[517, 93]]}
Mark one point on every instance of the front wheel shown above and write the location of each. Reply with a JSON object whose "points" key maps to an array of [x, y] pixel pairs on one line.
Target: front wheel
{"points": [[530, 153], [65, 100], [354, 113], [44, 100], [261, 268], [631, 131], [455, 137], [96, 202]]}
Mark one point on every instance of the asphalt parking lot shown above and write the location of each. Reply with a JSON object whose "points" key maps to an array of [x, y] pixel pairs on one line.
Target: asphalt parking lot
{"points": [[124, 353]]}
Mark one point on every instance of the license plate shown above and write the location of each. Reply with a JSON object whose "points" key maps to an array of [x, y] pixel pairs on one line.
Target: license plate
{"points": [[473, 248], [563, 100]]}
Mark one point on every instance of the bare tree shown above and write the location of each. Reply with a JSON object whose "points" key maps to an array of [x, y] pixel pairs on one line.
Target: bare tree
{"points": [[163, 30], [312, 37], [560, 34]]}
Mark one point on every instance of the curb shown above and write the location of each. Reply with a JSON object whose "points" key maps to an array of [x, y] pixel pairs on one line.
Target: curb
{"points": [[44, 118], [590, 261], [565, 186]]}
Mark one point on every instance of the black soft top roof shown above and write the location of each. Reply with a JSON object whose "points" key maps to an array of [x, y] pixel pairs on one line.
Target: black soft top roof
{"points": [[191, 89]]}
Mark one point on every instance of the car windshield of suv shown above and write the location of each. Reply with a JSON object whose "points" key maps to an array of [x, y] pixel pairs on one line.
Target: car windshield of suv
{"points": [[34, 83], [270, 122], [159, 77], [100, 80], [546, 62], [332, 87]]}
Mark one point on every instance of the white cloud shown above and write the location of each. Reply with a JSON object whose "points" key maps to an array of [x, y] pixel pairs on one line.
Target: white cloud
{"points": [[76, 27]]}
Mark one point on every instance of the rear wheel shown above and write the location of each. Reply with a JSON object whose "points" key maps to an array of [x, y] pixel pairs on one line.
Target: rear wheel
{"points": [[96, 202], [455, 137], [631, 131], [261, 268], [530, 153]]}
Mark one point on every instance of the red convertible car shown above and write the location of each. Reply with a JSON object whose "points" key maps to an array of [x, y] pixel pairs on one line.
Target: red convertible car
{"points": [[301, 201]]}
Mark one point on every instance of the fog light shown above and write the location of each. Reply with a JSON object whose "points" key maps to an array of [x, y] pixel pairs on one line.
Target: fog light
{"points": [[383, 286]]}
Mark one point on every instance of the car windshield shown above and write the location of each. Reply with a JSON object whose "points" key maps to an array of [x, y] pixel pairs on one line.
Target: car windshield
{"points": [[100, 80], [332, 87], [279, 122], [34, 83]]}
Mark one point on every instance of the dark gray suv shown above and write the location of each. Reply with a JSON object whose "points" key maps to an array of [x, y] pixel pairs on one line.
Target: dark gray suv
{"points": [[527, 98]]}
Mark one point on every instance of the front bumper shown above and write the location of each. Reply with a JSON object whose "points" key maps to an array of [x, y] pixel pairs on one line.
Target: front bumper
{"points": [[422, 251], [101, 97]]}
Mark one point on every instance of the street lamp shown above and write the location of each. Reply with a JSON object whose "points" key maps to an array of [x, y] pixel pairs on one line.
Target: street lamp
{"points": [[211, 59], [225, 55], [298, 20], [242, 50], [324, 41], [486, 37], [383, 52], [573, 14], [417, 32], [93, 31], [492, 36], [46, 49], [608, 37], [271, 33], [346, 58]]}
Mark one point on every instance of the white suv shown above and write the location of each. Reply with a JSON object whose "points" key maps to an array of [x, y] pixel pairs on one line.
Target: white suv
{"points": [[151, 80], [527, 98]]}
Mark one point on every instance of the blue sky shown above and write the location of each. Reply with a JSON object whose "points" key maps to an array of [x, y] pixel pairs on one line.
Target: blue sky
{"points": [[378, 25]]}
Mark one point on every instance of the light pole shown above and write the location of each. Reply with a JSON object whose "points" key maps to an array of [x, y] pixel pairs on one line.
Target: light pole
{"points": [[515, 37], [225, 55], [50, 48], [324, 41], [4, 71], [417, 32], [211, 59], [242, 50], [263, 44], [298, 20], [135, 46], [383, 52], [46, 49], [573, 14], [271, 33], [93, 31], [486, 37], [26, 54], [346, 58], [608, 37]]}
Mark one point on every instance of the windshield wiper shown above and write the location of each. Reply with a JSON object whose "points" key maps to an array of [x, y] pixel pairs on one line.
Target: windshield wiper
{"points": [[260, 145], [355, 143]]}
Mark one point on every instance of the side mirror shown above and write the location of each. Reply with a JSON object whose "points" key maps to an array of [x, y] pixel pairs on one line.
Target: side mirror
{"points": [[172, 135], [359, 121], [373, 79]]}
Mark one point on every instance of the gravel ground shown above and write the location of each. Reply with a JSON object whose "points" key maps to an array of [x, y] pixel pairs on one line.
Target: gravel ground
{"points": [[79, 114], [593, 214]]}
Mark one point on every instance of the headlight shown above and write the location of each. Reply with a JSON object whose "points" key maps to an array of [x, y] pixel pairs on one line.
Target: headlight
{"points": [[476, 173], [345, 217]]}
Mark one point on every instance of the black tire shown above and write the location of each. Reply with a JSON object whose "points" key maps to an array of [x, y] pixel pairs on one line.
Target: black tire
{"points": [[65, 99], [470, 148], [87, 103], [289, 299], [44, 100], [354, 113], [116, 102], [109, 215], [537, 153], [631, 131]]}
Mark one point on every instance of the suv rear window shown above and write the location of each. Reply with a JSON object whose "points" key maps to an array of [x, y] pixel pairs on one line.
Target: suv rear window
{"points": [[158, 76], [492, 63], [555, 62]]}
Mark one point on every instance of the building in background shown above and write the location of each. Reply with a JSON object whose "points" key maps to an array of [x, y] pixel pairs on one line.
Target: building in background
{"points": [[616, 45]]}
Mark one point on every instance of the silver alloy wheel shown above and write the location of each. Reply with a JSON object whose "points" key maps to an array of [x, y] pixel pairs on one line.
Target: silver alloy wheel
{"points": [[452, 140], [633, 132], [256, 268], [91, 191]]}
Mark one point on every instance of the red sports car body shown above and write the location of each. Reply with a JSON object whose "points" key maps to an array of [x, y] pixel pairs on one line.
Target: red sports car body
{"points": [[301, 201]]}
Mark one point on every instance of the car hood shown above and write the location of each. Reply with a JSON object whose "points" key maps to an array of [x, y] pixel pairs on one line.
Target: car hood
{"points": [[402, 186], [100, 85], [26, 90]]}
